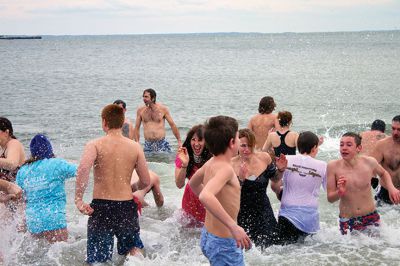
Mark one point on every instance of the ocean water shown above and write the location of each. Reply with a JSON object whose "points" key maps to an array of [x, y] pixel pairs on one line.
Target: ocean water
{"points": [[331, 82]]}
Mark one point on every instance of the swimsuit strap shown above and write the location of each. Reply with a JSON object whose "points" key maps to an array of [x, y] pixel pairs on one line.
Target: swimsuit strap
{"points": [[282, 136]]}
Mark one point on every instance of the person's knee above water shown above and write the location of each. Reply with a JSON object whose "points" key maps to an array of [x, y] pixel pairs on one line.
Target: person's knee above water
{"points": [[301, 182], [42, 179], [347, 177], [153, 116]]}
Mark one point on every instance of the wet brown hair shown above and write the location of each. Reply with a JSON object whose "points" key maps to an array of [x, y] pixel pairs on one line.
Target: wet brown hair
{"points": [[113, 115], [266, 105], [247, 133], [284, 118], [219, 130], [357, 137]]}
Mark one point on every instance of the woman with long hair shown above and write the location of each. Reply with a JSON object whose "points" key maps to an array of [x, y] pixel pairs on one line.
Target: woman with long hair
{"points": [[190, 157], [12, 154], [254, 170]]}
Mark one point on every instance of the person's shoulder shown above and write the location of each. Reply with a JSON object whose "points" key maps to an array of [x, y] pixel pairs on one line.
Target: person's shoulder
{"points": [[334, 162], [264, 156], [14, 143]]}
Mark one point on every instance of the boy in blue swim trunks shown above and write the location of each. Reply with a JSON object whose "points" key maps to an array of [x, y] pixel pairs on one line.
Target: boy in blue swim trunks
{"points": [[218, 188], [113, 210], [349, 180]]}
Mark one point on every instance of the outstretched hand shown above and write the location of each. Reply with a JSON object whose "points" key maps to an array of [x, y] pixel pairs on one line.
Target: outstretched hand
{"points": [[281, 162], [242, 239], [341, 185], [394, 196]]}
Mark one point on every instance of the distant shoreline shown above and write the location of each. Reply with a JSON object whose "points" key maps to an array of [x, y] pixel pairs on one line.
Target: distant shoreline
{"points": [[11, 37]]}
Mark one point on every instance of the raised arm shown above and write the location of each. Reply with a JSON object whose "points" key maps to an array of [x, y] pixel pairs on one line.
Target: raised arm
{"points": [[174, 128], [136, 132], [13, 156], [268, 143], [82, 178], [181, 164], [142, 170]]}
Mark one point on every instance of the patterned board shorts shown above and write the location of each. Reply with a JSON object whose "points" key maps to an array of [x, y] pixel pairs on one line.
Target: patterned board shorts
{"points": [[359, 223], [161, 145]]}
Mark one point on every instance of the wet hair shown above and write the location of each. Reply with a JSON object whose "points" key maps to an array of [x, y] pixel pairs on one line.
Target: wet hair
{"points": [[378, 125], [5, 124], [306, 141], [120, 102], [113, 115], [153, 94], [266, 105], [205, 154], [247, 133], [357, 137], [284, 118], [219, 130], [396, 119]]}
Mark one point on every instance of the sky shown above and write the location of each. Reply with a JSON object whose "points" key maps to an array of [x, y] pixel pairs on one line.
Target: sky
{"points": [[94, 17]]}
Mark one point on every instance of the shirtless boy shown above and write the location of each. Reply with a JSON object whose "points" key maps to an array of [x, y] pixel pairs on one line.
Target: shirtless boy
{"points": [[153, 116], [264, 121], [218, 188], [349, 181], [113, 210], [387, 153]]}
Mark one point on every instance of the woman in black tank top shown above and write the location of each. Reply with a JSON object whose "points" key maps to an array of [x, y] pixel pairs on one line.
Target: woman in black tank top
{"points": [[287, 139]]}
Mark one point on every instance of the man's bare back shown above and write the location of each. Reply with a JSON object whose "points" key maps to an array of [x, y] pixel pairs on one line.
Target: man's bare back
{"points": [[369, 139], [261, 124], [116, 159]]}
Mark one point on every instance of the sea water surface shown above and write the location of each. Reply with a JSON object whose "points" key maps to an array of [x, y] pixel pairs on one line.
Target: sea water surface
{"points": [[331, 82]]}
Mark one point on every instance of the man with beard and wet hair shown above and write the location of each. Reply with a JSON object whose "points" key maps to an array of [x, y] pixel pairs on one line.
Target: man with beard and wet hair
{"points": [[153, 116], [387, 153]]}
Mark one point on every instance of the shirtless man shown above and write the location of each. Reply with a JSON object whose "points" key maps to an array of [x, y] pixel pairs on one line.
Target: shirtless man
{"points": [[127, 127], [349, 181], [113, 210], [387, 153], [263, 122], [370, 137], [153, 116], [218, 188]]}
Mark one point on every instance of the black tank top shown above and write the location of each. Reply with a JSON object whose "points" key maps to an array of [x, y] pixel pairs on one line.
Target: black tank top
{"points": [[256, 215], [283, 148]]}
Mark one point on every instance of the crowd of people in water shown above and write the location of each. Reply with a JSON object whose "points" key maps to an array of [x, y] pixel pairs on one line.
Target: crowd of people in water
{"points": [[225, 172]]}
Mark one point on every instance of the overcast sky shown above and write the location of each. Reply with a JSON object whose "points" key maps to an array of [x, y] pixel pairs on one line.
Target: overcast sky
{"points": [[65, 17]]}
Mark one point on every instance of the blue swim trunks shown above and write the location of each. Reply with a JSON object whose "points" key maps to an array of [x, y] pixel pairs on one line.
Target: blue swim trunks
{"points": [[220, 251], [111, 218], [161, 145]]}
